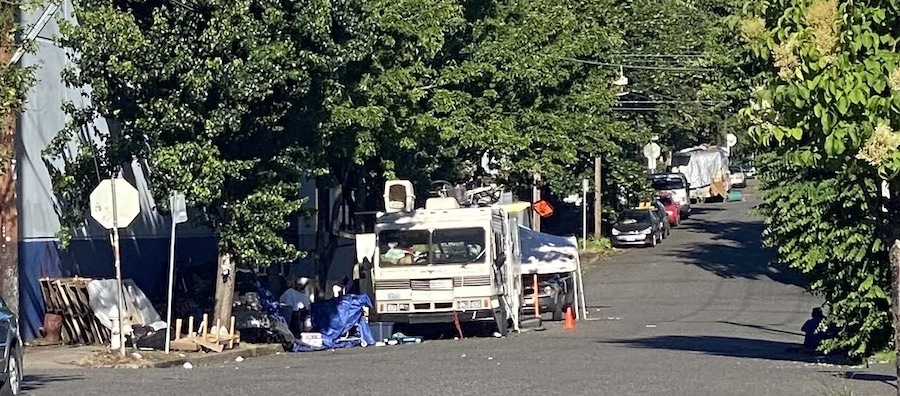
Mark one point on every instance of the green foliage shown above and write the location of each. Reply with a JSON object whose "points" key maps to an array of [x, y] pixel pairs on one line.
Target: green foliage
{"points": [[693, 68], [204, 95], [827, 103], [830, 83], [15, 82], [820, 223], [596, 245]]}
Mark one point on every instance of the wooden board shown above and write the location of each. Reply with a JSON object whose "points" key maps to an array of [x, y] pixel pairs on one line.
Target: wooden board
{"points": [[184, 344]]}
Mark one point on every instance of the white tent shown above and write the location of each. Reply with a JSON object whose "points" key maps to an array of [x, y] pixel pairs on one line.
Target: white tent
{"points": [[551, 254], [547, 254]]}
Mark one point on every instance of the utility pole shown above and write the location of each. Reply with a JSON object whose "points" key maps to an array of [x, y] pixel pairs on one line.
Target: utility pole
{"points": [[535, 197], [9, 211], [598, 198]]}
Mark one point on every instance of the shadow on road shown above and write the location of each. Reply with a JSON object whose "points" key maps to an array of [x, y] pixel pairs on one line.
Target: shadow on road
{"points": [[729, 346], [736, 251], [873, 377], [34, 382]]}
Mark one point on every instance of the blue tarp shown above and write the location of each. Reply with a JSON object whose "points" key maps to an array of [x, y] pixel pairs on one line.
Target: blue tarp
{"points": [[337, 317]]}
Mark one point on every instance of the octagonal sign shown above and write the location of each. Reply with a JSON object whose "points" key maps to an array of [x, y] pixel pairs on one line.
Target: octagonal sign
{"points": [[126, 203]]}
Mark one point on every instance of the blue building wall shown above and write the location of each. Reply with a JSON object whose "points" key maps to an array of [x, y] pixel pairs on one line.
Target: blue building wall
{"points": [[144, 260]]}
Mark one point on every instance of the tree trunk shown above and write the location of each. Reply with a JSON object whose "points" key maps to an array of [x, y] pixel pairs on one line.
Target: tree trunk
{"points": [[895, 307], [9, 212], [225, 276]]}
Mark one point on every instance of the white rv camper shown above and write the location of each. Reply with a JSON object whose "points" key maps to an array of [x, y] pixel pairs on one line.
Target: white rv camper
{"points": [[441, 263]]}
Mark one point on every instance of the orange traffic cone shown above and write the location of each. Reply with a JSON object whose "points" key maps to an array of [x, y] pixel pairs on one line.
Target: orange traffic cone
{"points": [[570, 319]]}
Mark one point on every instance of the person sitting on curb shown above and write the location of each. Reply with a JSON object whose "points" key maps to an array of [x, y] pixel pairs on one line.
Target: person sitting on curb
{"points": [[813, 337]]}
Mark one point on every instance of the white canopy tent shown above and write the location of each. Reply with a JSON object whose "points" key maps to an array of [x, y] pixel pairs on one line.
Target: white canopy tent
{"points": [[545, 254]]}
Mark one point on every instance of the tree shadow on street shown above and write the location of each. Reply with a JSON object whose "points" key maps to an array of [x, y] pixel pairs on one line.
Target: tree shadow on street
{"points": [[872, 377], [730, 346], [33, 382], [735, 251]]}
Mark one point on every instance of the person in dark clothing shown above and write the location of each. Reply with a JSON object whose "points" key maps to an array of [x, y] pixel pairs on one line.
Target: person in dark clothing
{"points": [[813, 337]]}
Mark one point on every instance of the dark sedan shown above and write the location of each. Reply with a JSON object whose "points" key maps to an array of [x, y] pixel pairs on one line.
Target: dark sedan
{"points": [[637, 227], [11, 364]]}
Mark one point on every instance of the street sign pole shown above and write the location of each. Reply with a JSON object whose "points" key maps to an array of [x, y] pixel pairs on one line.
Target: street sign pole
{"points": [[118, 261], [584, 191], [115, 203], [179, 215]]}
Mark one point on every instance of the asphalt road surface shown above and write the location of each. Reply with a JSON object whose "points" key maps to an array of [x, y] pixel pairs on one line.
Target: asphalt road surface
{"points": [[700, 314]]}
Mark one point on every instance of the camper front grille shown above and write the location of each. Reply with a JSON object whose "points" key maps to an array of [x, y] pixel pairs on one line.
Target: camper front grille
{"points": [[392, 284], [431, 284], [480, 280]]}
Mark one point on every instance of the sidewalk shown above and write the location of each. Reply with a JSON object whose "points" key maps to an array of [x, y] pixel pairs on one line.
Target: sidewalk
{"points": [[94, 356]]}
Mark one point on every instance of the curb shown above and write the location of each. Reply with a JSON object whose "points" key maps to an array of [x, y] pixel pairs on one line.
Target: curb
{"points": [[212, 358]]}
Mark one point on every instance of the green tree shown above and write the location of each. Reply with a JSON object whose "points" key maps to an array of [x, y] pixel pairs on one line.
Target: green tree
{"points": [[205, 94], [819, 222], [829, 99]]}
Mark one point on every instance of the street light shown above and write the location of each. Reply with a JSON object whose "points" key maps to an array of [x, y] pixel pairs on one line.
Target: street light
{"points": [[621, 82]]}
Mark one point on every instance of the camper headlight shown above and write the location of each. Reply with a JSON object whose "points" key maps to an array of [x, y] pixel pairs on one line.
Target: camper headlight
{"points": [[404, 307], [476, 304], [463, 304], [392, 307]]}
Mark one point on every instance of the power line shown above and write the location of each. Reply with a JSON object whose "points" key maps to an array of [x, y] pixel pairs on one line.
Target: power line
{"points": [[659, 55], [704, 102], [588, 62]]}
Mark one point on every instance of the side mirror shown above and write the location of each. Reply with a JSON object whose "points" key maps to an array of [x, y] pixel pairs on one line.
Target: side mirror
{"points": [[501, 258]]}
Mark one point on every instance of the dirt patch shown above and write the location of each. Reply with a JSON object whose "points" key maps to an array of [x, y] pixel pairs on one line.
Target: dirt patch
{"points": [[591, 258], [139, 359], [131, 358]]}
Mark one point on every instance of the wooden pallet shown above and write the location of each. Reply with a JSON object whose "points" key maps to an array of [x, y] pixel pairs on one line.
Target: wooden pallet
{"points": [[68, 297], [205, 337]]}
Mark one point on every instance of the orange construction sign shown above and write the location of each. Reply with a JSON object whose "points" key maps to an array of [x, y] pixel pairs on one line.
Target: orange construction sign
{"points": [[543, 208]]}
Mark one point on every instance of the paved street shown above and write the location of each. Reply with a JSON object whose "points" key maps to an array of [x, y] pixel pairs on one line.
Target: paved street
{"points": [[701, 314]]}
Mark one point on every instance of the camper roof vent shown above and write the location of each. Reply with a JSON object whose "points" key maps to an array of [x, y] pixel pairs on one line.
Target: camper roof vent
{"points": [[441, 203], [399, 196]]}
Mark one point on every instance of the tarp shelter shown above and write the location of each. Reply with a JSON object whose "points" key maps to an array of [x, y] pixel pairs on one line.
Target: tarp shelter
{"points": [[544, 254], [547, 254], [337, 319]]}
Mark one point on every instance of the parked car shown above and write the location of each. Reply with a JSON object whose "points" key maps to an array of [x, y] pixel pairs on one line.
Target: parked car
{"points": [[677, 185], [637, 227], [738, 177], [11, 374], [555, 293], [749, 169], [672, 211]]}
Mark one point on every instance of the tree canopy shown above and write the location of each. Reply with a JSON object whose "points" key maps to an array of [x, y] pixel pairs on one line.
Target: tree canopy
{"points": [[235, 102]]}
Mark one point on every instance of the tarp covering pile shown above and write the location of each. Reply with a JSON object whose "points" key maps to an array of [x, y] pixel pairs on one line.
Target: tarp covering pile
{"points": [[138, 310], [704, 165], [547, 254], [341, 322]]}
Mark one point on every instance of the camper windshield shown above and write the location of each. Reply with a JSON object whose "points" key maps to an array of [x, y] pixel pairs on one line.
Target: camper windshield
{"points": [[422, 247]]}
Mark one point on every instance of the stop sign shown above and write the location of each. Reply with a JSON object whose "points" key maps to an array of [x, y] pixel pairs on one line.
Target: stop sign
{"points": [[127, 205]]}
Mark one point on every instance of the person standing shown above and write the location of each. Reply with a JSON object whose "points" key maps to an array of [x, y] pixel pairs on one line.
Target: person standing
{"points": [[295, 305]]}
